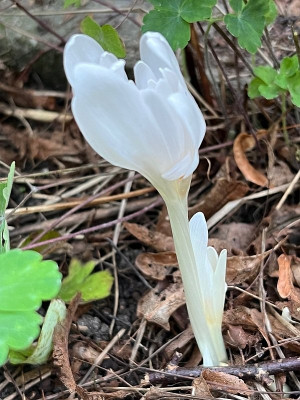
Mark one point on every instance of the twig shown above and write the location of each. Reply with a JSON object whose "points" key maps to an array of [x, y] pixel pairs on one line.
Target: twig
{"points": [[39, 21], [103, 354], [288, 191], [258, 370], [95, 228], [117, 10]]}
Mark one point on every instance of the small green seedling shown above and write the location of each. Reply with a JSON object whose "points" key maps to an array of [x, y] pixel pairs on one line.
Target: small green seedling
{"points": [[26, 280], [5, 189], [80, 279], [270, 83]]}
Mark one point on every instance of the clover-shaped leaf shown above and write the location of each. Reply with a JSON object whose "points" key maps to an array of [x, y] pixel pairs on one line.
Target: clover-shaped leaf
{"points": [[26, 280], [80, 279], [264, 83], [172, 18], [248, 22]]}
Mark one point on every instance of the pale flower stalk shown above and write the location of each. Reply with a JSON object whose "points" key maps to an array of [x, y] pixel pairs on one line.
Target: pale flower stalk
{"points": [[155, 127]]}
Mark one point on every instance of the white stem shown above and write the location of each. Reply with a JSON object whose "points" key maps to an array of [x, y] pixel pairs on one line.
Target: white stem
{"points": [[206, 329]]}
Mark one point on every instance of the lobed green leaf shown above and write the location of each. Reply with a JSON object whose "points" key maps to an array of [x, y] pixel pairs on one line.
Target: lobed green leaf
{"points": [[172, 18], [248, 23], [80, 279], [105, 35]]}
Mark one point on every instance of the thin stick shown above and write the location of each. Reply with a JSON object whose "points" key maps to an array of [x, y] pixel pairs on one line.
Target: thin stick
{"points": [[71, 204], [288, 191], [102, 355]]}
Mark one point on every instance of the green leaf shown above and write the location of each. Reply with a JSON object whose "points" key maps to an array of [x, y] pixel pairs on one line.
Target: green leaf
{"points": [[5, 190], [248, 23], [294, 88], [266, 74], [26, 280], [253, 88], [269, 91], [271, 15], [105, 35], [68, 3], [289, 66], [172, 17], [40, 353], [264, 83], [236, 5], [80, 279], [195, 10], [47, 236]]}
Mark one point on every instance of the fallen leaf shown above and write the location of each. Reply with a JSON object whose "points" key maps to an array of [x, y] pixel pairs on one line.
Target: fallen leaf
{"points": [[178, 344], [253, 320], [158, 304], [222, 381], [241, 269], [245, 142], [285, 284], [221, 193], [238, 338], [201, 388], [238, 235], [156, 265], [156, 240]]}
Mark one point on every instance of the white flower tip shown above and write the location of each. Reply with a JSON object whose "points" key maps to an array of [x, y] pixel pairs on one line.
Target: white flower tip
{"points": [[80, 49], [198, 227]]}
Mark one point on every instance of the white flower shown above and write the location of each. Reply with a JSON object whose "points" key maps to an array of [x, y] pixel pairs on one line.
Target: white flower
{"points": [[210, 274], [153, 126]]}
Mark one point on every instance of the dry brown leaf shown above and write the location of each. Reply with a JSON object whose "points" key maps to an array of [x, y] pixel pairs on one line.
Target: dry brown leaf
{"points": [[242, 269], [221, 193], [285, 284], [201, 388], [156, 240], [238, 235], [220, 244], [158, 305], [237, 337], [178, 344], [222, 381], [243, 143], [252, 319], [156, 265]]}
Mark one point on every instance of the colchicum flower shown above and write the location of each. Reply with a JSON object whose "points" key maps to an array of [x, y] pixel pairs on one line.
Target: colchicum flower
{"points": [[152, 126]]}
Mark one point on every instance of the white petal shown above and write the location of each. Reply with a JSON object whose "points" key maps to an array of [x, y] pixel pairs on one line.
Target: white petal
{"points": [[220, 276], [157, 53], [80, 49], [115, 120], [183, 168], [110, 61], [143, 75], [212, 256], [189, 113]]}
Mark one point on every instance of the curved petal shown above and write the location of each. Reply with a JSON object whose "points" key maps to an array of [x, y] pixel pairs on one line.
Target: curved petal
{"points": [[183, 168], [189, 113], [80, 49], [143, 75], [115, 120], [156, 53]]}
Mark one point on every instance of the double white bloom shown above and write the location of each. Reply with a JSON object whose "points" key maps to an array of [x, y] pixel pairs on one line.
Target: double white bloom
{"points": [[155, 127]]}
